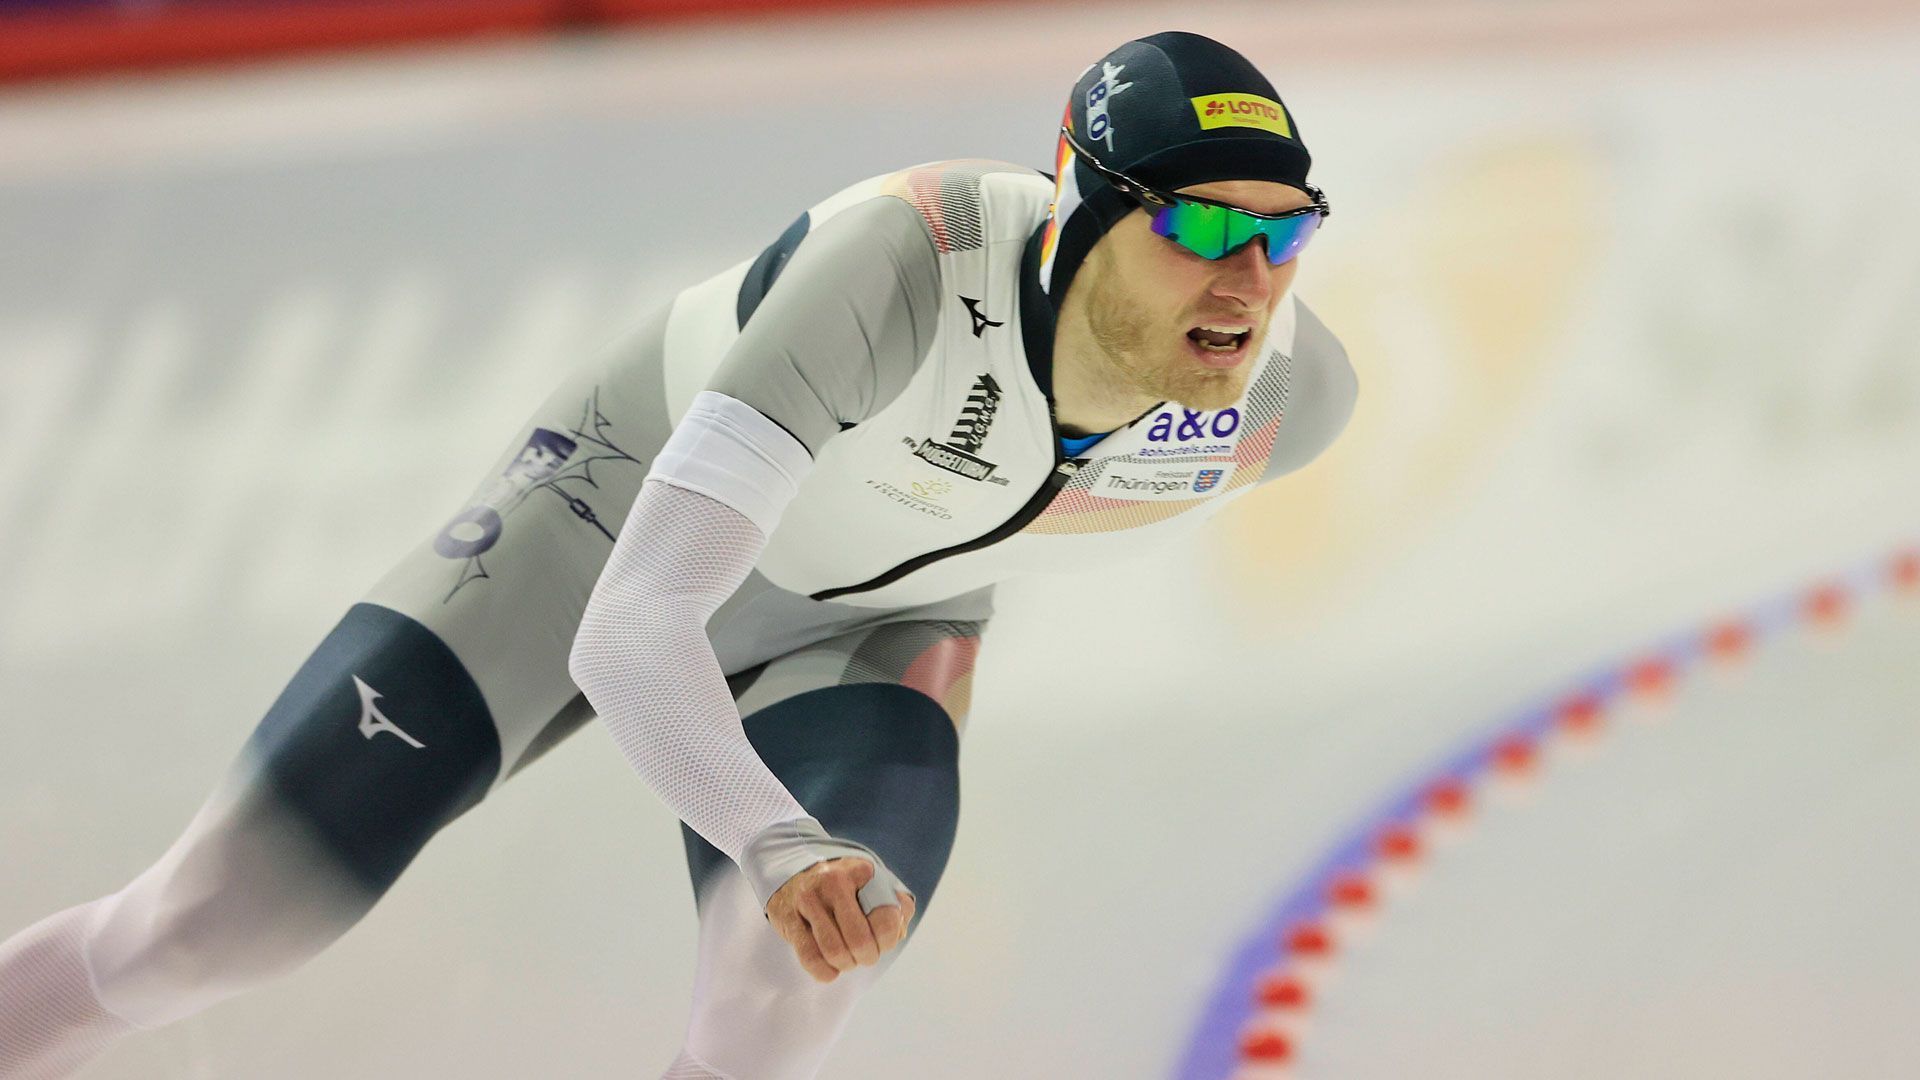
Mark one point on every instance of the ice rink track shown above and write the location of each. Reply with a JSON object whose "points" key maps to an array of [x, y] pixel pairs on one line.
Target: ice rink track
{"points": [[1629, 291], [1697, 891]]}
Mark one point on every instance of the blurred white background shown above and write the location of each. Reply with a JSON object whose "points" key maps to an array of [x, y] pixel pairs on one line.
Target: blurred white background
{"points": [[1630, 293]]}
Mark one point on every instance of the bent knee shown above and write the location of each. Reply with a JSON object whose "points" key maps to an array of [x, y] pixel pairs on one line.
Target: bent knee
{"points": [[248, 893], [155, 964], [381, 738]]}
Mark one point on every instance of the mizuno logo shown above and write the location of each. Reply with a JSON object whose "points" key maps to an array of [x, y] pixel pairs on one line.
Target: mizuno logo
{"points": [[980, 320], [372, 722]]}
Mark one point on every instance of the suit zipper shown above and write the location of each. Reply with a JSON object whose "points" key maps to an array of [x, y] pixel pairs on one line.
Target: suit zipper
{"points": [[1063, 469]]}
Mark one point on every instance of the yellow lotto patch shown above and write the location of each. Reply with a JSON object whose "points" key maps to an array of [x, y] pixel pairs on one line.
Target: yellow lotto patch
{"points": [[1242, 110]]}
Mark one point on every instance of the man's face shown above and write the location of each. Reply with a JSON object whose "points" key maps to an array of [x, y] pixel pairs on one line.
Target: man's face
{"points": [[1148, 300]]}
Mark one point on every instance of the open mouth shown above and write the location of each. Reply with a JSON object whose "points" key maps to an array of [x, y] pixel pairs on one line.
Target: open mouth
{"points": [[1219, 344]]}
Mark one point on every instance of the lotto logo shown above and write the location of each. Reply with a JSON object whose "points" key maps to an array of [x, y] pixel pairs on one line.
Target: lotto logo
{"points": [[1242, 110]]}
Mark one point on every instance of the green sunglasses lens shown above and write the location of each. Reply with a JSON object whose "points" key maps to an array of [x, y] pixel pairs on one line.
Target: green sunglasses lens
{"points": [[1199, 228], [1213, 232]]}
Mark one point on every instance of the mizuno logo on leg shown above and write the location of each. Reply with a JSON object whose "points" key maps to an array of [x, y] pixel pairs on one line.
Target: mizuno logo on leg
{"points": [[373, 722]]}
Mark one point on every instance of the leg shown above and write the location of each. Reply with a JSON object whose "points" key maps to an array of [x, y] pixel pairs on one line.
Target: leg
{"points": [[402, 720], [876, 762], [329, 801]]}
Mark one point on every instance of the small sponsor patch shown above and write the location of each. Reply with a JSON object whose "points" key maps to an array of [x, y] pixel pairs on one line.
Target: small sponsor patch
{"points": [[976, 414], [912, 500], [960, 453], [1157, 481], [954, 460], [1242, 110], [1190, 424], [474, 531]]}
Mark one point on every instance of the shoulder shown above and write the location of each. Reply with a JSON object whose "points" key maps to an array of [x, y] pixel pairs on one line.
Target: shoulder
{"points": [[1317, 351], [961, 205], [1321, 396]]}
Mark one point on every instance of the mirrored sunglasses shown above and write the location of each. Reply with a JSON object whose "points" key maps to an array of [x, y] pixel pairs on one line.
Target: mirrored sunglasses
{"points": [[1215, 230]]}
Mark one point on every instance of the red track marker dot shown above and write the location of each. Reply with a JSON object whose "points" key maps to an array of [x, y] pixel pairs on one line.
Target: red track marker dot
{"points": [[1282, 992], [1651, 676], [1581, 714], [1906, 571], [1309, 939], [1265, 1046], [1350, 891], [1514, 755], [1827, 604], [1729, 641], [1398, 843], [1447, 798]]}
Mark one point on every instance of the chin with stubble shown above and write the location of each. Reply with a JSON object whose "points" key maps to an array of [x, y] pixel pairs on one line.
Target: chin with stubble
{"points": [[1156, 358]]}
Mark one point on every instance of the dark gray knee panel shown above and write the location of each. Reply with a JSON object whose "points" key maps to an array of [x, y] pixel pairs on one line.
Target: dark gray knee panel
{"points": [[877, 763], [381, 739]]}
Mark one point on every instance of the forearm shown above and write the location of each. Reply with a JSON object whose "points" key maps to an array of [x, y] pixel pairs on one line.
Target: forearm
{"points": [[644, 661]]}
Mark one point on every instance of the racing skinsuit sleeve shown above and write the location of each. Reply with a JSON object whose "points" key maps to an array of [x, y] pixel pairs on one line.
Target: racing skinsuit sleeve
{"points": [[853, 314]]}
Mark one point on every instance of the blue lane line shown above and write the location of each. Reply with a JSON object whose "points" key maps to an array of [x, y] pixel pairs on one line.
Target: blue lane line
{"points": [[1213, 1052]]}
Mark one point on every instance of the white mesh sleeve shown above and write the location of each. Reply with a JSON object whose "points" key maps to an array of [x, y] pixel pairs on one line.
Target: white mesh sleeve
{"points": [[643, 659]]}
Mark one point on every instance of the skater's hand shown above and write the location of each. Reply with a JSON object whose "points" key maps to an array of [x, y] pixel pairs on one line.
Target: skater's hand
{"points": [[818, 912]]}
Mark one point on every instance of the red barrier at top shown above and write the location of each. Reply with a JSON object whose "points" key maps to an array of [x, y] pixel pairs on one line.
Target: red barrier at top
{"points": [[51, 43]]}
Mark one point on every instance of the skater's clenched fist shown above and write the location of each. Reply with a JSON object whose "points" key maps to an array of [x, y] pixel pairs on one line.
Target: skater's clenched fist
{"points": [[818, 912]]}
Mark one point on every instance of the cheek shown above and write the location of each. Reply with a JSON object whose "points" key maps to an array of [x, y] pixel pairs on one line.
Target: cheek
{"points": [[1178, 293], [1283, 279], [1163, 277]]}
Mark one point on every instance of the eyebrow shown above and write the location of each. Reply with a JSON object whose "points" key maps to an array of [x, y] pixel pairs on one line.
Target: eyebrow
{"points": [[1308, 201]]}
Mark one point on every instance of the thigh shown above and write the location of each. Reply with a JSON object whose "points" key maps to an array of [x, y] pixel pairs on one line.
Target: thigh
{"points": [[380, 739], [435, 686], [504, 581], [425, 695], [864, 728]]}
